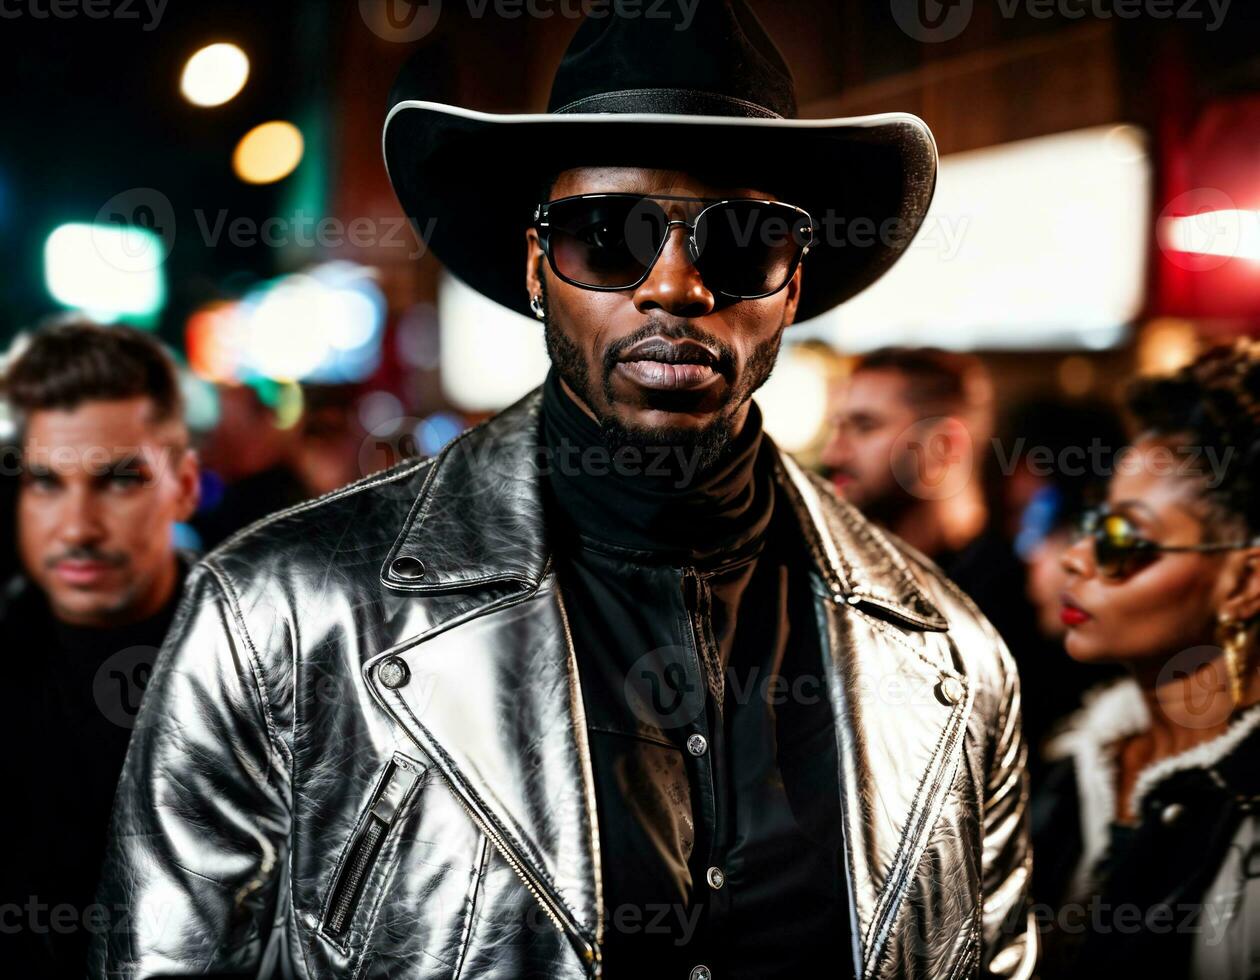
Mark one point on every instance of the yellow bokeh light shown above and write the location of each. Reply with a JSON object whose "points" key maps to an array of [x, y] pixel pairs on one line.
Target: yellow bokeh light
{"points": [[268, 152], [214, 75]]}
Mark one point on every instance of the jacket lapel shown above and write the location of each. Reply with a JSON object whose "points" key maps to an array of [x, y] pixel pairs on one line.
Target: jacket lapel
{"points": [[493, 694], [901, 705]]}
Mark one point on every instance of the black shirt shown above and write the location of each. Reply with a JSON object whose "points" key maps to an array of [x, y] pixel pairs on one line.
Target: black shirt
{"points": [[73, 697], [712, 739]]}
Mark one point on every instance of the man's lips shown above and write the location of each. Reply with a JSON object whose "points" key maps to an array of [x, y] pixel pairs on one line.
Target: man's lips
{"points": [[671, 365], [74, 571], [1070, 612]]}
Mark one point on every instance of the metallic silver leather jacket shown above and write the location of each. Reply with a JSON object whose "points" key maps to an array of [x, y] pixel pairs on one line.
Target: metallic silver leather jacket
{"points": [[362, 752]]}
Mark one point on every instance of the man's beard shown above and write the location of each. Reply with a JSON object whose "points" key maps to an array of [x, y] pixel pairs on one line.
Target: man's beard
{"points": [[702, 446]]}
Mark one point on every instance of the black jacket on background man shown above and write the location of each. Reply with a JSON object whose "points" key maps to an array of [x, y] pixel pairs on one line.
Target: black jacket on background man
{"points": [[72, 697]]}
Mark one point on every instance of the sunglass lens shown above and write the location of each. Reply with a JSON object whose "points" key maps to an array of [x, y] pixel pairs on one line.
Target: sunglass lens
{"points": [[1118, 547], [749, 248], [607, 242]]}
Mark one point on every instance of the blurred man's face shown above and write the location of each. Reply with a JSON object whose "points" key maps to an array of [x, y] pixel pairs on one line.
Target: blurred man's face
{"points": [[869, 458], [101, 487], [592, 335]]}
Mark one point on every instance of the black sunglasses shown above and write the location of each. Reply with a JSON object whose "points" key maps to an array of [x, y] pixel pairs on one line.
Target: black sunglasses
{"points": [[745, 248], [1121, 551]]}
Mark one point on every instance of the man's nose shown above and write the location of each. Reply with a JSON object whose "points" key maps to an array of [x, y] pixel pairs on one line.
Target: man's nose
{"points": [[81, 517], [837, 451], [674, 284]]}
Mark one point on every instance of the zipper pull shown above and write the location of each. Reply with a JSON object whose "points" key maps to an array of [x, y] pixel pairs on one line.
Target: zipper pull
{"points": [[691, 589]]}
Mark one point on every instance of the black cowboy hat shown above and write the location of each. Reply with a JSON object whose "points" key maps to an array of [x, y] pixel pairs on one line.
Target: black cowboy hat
{"points": [[696, 87]]}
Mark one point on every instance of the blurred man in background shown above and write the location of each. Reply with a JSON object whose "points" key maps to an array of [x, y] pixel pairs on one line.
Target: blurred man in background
{"points": [[249, 460], [912, 432], [106, 472]]}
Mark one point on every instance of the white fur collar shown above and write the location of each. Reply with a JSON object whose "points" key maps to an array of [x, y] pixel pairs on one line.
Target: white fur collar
{"points": [[1089, 736]]}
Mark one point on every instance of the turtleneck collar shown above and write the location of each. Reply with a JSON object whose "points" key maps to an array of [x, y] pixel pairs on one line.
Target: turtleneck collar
{"points": [[649, 501]]}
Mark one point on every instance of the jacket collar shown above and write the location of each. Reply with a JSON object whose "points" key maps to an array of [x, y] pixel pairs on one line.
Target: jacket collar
{"points": [[478, 520]]}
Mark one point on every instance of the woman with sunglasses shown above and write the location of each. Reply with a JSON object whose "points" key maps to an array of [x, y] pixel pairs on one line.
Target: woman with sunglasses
{"points": [[1147, 833]]}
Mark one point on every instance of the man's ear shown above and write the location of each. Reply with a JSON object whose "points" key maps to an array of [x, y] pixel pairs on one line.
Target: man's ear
{"points": [[533, 262], [793, 291], [1242, 585], [189, 477]]}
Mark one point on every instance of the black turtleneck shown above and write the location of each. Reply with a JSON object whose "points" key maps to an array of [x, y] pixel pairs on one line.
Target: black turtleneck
{"points": [[691, 612], [74, 694], [656, 500]]}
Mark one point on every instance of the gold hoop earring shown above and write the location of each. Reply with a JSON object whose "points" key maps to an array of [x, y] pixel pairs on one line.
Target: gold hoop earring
{"points": [[536, 305], [1233, 637]]}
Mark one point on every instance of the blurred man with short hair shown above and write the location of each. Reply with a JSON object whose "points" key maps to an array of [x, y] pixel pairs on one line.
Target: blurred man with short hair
{"points": [[911, 438], [910, 429], [106, 472]]}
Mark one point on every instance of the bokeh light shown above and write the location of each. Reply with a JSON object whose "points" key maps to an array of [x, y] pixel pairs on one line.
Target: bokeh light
{"points": [[268, 152], [214, 75], [95, 269]]}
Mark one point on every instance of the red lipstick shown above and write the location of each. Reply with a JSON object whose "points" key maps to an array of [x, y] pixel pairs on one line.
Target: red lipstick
{"points": [[1070, 613]]}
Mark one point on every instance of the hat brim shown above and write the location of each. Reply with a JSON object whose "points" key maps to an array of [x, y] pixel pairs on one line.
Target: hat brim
{"points": [[467, 180]]}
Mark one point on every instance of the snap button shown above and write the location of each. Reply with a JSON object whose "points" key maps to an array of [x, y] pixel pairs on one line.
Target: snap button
{"points": [[697, 744], [394, 673], [1171, 814], [950, 690], [701, 972], [407, 567], [716, 878]]}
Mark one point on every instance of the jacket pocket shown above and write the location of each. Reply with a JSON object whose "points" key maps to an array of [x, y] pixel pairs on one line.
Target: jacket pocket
{"points": [[395, 788]]}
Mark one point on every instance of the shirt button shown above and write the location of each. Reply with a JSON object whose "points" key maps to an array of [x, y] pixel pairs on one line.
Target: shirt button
{"points": [[701, 972], [697, 744], [716, 878]]}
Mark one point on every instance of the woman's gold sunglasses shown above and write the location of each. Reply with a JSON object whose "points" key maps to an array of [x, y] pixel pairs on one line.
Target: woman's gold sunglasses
{"points": [[1121, 551]]}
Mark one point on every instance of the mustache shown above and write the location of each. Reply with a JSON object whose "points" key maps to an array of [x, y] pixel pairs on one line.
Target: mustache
{"points": [[84, 553], [671, 331]]}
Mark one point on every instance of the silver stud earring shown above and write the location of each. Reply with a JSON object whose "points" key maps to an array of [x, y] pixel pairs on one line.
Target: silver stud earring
{"points": [[536, 305]]}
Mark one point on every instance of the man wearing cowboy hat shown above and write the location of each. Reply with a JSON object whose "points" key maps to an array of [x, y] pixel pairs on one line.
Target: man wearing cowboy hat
{"points": [[610, 687]]}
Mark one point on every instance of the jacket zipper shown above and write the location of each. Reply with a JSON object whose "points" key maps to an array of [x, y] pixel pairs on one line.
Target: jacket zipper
{"points": [[542, 894], [397, 785], [348, 886]]}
